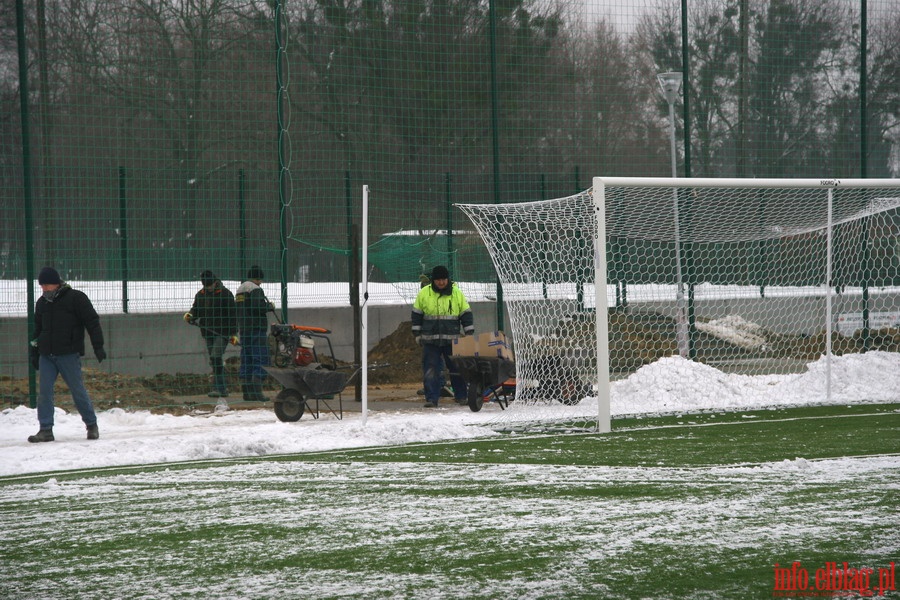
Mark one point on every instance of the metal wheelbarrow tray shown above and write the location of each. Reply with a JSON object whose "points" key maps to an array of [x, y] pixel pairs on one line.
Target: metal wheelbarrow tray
{"points": [[486, 375], [312, 382], [300, 369]]}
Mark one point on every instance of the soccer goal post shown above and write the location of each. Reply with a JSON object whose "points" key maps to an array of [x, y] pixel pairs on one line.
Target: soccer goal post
{"points": [[698, 280]]}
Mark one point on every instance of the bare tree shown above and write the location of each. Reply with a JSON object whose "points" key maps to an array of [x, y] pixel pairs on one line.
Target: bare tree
{"points": [[161, 70]]}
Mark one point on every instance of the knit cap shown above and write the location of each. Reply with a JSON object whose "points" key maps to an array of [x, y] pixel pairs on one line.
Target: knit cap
{"points": [[49, 275]]}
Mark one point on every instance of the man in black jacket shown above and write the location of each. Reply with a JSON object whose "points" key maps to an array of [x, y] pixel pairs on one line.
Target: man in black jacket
{"points": [[61, 316], [213, 312]]}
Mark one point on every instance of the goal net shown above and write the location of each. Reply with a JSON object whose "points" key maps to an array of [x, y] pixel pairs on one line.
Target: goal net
{"points": [[716, 294]]}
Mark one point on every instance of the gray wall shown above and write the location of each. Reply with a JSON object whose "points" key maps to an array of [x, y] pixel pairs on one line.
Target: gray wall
{"points": [[147, 344]]}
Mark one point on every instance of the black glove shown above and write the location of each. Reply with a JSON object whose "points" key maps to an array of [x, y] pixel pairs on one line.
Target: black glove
{"points": [[100, 353], [34, 356]]}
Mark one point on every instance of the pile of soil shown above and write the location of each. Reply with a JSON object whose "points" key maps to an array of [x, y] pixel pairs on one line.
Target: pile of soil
{"points": [[107, 390], [396, 359]]}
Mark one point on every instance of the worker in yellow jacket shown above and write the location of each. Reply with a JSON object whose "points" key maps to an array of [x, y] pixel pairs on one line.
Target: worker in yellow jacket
{"points": [[438, 314]]}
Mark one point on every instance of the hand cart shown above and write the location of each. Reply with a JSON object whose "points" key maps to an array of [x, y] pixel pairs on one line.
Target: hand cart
{"points": [[304, 376], [487, 376]]}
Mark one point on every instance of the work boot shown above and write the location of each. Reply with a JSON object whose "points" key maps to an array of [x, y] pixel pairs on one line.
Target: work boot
{"points": [[256, 392], [44, 435], [219, 384], [93, 432], [246, 391], [214, 394]]}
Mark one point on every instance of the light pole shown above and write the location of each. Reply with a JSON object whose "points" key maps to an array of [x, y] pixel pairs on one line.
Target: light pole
{"points": [[670, 83]]}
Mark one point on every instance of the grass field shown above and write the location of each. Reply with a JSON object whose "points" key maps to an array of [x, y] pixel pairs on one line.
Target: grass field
{"points": [[699, 506]]}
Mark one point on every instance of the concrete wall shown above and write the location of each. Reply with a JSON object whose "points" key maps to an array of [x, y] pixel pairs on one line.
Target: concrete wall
{"points": [[800, 315], [147, 344]]}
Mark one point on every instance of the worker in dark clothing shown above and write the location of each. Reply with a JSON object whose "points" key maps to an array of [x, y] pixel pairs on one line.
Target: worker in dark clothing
{"points": [[252, 306], [213, 311], [61, 316]]}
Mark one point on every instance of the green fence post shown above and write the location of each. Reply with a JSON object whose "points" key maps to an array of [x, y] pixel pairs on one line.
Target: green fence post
{"points": [[283, 166], [449, 217], [123, 238], [495, 133], [354, 277], [579, 281], [866, 257], [687, 256], [242, 253], [27, 179], [543, 233]]}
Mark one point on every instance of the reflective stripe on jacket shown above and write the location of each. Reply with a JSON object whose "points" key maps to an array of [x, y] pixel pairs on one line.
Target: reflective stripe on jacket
{"points": [[438, 315]]}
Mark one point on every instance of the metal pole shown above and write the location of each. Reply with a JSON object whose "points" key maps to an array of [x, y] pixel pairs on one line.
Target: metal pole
{"points": [[123, 237], [242, 257], [448, 204], [829, 323], [364, 316], [283, 166], [495, 131], [670, 89], [353, 266], [26, 187], [601, 310], [866, 332]]}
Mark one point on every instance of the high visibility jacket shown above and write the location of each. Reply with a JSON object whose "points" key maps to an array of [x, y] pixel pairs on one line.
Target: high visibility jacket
{"points": [[437, 315]]}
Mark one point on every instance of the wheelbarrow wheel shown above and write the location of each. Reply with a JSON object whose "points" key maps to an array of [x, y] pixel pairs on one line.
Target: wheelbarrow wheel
{"points": [[289, 405], [476, 397], [572, 391]]}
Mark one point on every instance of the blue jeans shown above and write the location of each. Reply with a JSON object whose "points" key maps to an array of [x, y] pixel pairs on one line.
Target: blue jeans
{"points": [[69, 366], [434, 358], [215, 346], [254, 354]]}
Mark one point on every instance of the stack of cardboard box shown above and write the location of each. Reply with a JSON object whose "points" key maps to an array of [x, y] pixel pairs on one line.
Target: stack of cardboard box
{"points": [[489, 343]]}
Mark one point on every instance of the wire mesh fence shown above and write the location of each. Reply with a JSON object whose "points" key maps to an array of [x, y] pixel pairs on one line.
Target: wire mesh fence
{"points": [[144, 142]]}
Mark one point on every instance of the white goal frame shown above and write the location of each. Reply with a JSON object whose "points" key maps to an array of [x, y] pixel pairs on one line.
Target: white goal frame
{"points": [[599, 198]]}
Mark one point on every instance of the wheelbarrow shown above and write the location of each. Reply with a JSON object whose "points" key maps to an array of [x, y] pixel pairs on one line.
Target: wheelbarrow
{"points": [[487, 376], [304, 376]]}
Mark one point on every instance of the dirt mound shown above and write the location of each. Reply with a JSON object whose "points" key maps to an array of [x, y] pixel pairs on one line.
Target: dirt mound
{"points": [[107, 390], [400, 357]]}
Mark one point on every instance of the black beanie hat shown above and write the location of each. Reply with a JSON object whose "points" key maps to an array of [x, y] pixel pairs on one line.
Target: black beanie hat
{"points": [[207, 277], [440, 272], [49, 275], [255, 273]]}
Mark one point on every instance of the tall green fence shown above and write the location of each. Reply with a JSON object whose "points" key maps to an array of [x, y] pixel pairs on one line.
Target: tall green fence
{"points": [[146, 141]]}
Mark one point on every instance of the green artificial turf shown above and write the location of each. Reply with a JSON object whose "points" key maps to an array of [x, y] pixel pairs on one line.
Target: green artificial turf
{"points": [[678, 507]]}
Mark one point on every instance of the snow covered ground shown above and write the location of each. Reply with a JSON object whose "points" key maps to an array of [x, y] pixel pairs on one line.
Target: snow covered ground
{"points": [[667, 386]]}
